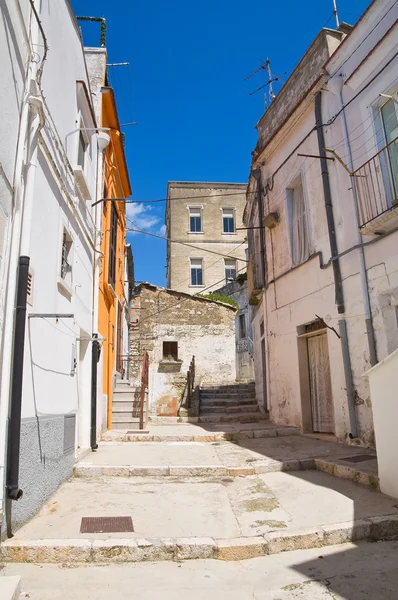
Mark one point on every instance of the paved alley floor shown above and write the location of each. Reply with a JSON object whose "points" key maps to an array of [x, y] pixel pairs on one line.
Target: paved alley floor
{"points": [[214, 499], [345, 572]]}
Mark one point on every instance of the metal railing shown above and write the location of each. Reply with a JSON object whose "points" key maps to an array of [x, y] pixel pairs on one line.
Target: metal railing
{"points": [[144, 391], [377, 184]]}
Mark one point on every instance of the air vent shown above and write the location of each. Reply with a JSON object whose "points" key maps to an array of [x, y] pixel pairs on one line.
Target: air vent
{"points": [[29, 296]]}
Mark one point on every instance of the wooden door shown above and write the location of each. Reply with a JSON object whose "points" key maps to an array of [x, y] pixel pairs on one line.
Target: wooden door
{"points": [[320, 384]]}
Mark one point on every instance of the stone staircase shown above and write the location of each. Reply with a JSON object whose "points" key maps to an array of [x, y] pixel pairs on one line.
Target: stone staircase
{"points": [[125, 405], [231, 402]]}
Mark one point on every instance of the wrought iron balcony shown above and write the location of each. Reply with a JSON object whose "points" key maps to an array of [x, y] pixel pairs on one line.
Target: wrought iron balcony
{"points": [[377, 187]]}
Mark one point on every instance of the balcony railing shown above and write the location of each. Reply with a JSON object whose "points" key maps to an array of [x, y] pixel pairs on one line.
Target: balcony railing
{"points": [[377, 186]]}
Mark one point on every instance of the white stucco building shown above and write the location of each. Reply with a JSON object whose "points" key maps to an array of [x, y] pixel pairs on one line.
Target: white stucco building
{"points": [[49, 155], [323, 272]]}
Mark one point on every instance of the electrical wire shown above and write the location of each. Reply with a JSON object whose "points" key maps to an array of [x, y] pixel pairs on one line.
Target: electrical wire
{"points": [[161, 237]]}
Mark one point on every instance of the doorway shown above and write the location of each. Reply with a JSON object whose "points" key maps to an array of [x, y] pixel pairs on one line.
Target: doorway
{"points": [[320, 385]]}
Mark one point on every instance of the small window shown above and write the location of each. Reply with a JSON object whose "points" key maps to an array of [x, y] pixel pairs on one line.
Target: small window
{"points": [[299, 230], [196, 271], [195, 220], [66, 256], [170, 350], [112, 246], [242, 326], [230, 270], [228, 220], [83, 145]]}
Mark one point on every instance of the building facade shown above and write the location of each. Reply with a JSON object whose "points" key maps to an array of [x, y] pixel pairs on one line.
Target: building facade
{"points": [[52, 167], [173, 327], [113, 272], [238, 291], [204, 221], [323, 290]]}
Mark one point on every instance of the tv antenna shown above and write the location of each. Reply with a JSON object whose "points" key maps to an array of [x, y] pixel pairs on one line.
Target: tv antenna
{"points": [[265, 66], [336, 14]]}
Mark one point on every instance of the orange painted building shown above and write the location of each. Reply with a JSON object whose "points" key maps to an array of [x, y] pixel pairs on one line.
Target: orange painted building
{"points": [[112, 303]]}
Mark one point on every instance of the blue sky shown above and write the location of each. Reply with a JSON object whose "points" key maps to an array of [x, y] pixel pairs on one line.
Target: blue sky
{"points": [[185, 86]]}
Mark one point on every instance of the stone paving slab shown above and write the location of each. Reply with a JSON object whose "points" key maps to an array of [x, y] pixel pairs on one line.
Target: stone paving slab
{"points": [[228, 518], [10, 587], [350, 572]]}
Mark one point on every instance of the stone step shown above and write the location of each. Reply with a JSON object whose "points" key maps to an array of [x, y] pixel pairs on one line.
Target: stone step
{"points": [[10, 587], [239, 408], [230, 388], [228, 402], [132, 424], [130, 550], [125, 405], [227, 396], [236, 417], [257, 431]]}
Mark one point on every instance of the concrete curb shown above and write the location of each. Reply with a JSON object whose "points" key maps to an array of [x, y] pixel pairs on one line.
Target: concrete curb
{"points": [[218, 436], [10, 587], [160, 549]]}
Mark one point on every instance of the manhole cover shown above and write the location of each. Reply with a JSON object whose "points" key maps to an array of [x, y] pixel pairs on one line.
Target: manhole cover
{"points": [[106, 525], [359, 458]]}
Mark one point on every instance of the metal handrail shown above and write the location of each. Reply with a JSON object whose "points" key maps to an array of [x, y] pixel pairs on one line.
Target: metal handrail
{"points": [[377, 183], [144, 391]]}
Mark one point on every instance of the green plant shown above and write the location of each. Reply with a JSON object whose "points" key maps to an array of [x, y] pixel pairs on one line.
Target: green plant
{"points": [[219, 298], [241, 278]]}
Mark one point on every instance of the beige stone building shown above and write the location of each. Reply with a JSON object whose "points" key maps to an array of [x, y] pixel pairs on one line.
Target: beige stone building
{"points": [[208, 218]]}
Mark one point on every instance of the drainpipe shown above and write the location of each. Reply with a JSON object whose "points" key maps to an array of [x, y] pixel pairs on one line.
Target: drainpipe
{"points": [[14, 427], [18, 340], [336, 87], [95, 354], [256, 173], [338, 284], [349, 384]]}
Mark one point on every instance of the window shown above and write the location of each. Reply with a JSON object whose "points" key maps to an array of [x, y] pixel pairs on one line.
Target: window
{"points": [[299, 231], [83, 145], [195, 220], [230, 270], [112, 246], [66, 254], [170, 350], [242, 326], [390, 124], [196, 271], [228, 220]]}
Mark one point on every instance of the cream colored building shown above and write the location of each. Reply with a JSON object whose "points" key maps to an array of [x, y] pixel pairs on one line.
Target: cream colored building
{"points": [[324, 277], [206, 245]]}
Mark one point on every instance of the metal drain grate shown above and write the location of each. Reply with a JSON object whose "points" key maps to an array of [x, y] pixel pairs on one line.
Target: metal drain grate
{"points": [[359, 458], [106, 525]]}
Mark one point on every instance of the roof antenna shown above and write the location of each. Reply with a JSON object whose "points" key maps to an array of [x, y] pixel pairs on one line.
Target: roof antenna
{"points": [[266, 66], [336, 14]]}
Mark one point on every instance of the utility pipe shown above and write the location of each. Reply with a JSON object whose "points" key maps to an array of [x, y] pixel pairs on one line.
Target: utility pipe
{"points": [[338, 283], [349, 384], [336, 87]]}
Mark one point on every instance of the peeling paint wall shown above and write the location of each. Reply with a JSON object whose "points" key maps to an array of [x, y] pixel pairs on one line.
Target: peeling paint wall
{"points": [[293, 298], [202, 329]]}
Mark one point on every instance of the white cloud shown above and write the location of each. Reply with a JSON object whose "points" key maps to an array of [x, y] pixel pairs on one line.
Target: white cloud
{"points": [[162, 230], [143, 217]]}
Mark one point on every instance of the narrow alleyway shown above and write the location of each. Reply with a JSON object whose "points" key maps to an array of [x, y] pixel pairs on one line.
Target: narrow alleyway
{"points": [[196, 492]]}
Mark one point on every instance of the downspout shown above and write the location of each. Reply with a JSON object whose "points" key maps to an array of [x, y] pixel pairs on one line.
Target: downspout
{"points": [[338, 283], [336, 87], [348, 379], [18, 343], [95, 355]]}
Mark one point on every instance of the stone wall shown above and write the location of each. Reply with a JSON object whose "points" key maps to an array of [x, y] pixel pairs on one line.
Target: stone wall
{"points": [[201, 328]]}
